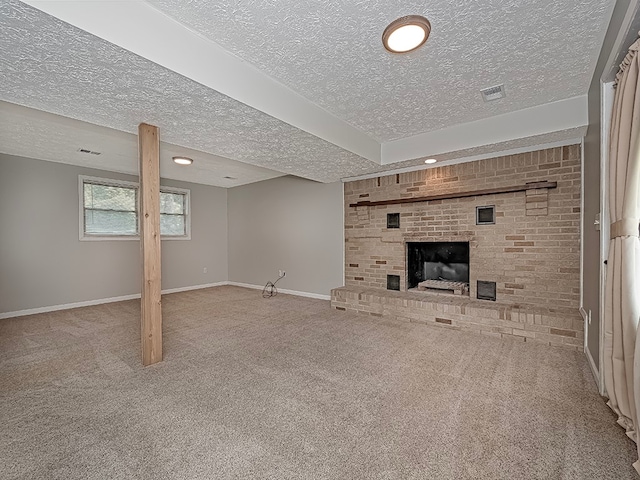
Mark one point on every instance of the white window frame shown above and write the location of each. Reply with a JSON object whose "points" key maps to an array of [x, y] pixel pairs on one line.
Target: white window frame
{"points": [[82, 179], [187, 212]]}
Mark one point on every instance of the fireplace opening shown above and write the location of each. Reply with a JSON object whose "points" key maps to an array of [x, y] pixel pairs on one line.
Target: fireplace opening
{"points": [[438, 266]]}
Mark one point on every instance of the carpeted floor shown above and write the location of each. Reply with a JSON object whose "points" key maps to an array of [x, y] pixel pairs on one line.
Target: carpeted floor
{"points": [[286, 388]]}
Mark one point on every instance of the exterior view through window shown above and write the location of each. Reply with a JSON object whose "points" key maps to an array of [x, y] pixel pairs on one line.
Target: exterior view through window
{"points": [[172, 213], [110, 209]]}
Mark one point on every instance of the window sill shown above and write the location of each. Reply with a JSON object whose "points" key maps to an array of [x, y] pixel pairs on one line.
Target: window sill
{"points": [[108, 238]]}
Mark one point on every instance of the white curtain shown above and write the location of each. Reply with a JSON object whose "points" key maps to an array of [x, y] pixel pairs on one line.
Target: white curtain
{"points": [[621, 366]]}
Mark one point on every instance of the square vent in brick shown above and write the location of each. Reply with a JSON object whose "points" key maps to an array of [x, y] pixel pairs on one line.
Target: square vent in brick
{"points": [[486, 290], [393, 282], [393, 220], [486, 215]]}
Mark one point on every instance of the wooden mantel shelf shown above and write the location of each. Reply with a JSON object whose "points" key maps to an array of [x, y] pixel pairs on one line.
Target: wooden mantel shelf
{"points": [[447, 196]]}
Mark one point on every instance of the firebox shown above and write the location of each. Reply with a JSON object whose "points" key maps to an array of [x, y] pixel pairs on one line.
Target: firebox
{"points": [[439, 261]]}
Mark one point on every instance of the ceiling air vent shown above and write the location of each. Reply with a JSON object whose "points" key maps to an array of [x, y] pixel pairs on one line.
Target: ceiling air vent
{"points": [[229, 178], [90, 152], [493, 93]]}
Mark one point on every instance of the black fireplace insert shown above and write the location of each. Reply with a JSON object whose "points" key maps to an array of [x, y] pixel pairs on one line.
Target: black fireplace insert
{"points": [[446, 261]]}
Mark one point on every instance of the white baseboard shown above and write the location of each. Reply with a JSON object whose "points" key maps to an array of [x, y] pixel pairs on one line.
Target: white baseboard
{"points": [[317, 296], [67, 306], [585, 321], [99, 301], [587, 352], [594, 370], [193, 287]]}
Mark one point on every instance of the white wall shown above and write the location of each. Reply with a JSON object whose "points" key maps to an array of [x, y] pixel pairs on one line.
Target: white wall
{"points": [[591, 266], [245, 235], [43, 263], [290, 224]]}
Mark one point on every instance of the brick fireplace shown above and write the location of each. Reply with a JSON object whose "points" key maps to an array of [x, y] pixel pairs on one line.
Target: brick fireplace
{"points": [[524, 244]]}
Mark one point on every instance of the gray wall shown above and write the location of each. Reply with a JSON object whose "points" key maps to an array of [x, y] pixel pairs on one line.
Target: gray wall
{"points": [[591, 264], [289, 224], [43, 263]]}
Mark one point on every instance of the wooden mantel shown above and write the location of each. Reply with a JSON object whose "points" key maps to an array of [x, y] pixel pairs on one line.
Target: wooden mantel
{"points": [[447, 196]]}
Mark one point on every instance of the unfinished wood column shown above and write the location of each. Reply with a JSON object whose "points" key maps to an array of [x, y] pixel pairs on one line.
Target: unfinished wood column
{"points": [[149, 151]]}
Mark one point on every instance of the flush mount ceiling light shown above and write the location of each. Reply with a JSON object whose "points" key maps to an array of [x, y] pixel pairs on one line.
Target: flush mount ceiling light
{"points": [[406, 34], [182, 160], [430, 160]]}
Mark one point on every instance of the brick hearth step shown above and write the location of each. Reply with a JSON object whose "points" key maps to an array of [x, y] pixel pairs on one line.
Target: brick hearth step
{"points": [[562, 326]]}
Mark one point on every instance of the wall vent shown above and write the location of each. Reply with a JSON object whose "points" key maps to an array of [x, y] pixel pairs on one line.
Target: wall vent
{"points": [[90, 152], [393, 282], [486, 215], [493, 93], [486, 290]]}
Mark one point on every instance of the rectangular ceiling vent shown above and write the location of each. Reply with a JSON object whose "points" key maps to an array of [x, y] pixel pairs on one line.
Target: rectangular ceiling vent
{"points": [[90, 152], [229, 178], [493, 93]]}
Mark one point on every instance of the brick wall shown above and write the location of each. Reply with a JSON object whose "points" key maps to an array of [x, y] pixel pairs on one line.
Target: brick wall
{"points": [[532, 252]]}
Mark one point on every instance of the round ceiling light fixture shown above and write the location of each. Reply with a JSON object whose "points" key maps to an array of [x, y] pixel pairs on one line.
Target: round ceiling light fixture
{"points": [[183, 160], [430, 160], [406, 34]]}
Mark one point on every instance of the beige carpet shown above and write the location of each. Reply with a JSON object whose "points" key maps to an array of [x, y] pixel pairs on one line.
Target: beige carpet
{"points": [[286, 388]]}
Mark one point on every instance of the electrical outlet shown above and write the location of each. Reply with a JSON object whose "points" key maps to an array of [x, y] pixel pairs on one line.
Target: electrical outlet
{"points": [[281, 273], [204, 270]]}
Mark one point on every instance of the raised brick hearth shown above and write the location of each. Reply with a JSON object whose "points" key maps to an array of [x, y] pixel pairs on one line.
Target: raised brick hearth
{"points": [[551, 326], [531, 252]]}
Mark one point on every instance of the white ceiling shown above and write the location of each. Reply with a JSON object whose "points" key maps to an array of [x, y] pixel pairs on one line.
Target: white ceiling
{"points": [[293, 87], [27, 132], [330, 52]]}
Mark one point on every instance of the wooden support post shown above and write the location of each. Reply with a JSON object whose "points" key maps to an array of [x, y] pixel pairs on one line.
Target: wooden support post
{"points": [[151, 309]]}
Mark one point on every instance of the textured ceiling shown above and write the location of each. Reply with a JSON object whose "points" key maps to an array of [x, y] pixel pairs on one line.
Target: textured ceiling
{"points": [[27, 132], [331, 53], [328, 52], [49, 65]]}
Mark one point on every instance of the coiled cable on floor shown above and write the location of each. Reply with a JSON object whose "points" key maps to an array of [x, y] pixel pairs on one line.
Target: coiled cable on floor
{"points": [[270, 289]]}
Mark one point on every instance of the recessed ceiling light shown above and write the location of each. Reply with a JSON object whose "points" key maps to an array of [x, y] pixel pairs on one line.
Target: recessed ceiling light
{"points": [[406, 34], [430, 160], [182, 160]]}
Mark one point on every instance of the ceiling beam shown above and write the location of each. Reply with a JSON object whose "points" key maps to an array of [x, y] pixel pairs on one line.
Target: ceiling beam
{"points": [[529, 122]]}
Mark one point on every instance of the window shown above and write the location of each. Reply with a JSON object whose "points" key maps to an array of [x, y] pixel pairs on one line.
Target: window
{"points": [[173, 212], [109, 209]]}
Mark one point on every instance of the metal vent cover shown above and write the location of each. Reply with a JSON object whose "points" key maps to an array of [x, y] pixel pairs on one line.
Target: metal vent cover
{"points": [[393, 282], [486, 290], [393, 220], [493, 93], [486, 215], [91, 152]]}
